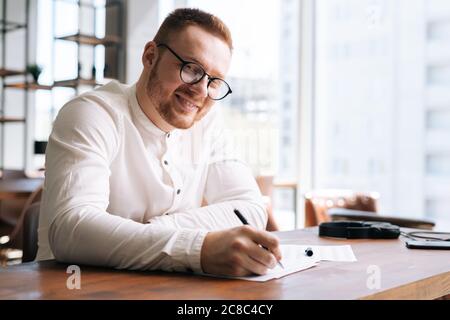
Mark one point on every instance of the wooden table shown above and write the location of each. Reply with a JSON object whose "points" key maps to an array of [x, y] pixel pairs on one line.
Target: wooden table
{"points": [[405, 274], [20, 188]]}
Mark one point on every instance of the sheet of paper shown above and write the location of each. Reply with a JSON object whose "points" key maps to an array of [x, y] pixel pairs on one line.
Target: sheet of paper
{"points": [[342, 253], [278, 272], [295, 260]]}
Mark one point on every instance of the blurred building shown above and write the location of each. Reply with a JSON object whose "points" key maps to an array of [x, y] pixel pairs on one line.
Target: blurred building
{"points": [[288, 88], [382, 102], [437, 109]]}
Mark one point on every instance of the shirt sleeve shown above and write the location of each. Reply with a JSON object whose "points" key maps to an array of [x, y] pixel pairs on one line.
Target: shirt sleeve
{"points": [[84, 140], [230, 185]]}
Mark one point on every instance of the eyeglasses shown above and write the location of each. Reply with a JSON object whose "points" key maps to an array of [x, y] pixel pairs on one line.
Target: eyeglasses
{"points": [[192, 73]]}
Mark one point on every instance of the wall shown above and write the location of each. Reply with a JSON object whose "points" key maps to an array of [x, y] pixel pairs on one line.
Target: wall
{"points": [[142, 24]]}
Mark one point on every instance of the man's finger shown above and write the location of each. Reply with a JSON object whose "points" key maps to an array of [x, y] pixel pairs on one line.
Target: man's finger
{"points": [[254, 266], [268, 241], [263, 256]]}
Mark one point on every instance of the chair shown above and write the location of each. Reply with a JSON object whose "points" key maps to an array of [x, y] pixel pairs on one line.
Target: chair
{"points": [[266, 186], [338, 205], [26, 228], [30, 236], [318, 202], [11, 208]]}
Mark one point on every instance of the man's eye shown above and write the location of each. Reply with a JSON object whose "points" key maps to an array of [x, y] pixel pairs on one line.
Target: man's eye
{"points": [[192, 69], [215, 84]]}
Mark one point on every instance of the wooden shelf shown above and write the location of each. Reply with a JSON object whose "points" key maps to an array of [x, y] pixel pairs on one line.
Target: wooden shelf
{"points": [[11, 119], [6, 26], [285, 184], [9, 72], [72, 83], [91, 40], [28, 85], [89, 5]]}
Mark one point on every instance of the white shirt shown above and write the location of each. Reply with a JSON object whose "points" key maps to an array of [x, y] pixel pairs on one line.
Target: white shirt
{"points": [[120, 192]]}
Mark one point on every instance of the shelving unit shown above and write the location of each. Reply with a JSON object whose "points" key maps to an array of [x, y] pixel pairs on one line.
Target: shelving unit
{"points": [[16, 78], [28, 86], [11, 119], [81, 38], [91, 40], [7, 26], [73, 83], [8, 72]]}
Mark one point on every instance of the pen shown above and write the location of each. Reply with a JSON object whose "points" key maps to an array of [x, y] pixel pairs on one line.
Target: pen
{"points": [[244, 221]]}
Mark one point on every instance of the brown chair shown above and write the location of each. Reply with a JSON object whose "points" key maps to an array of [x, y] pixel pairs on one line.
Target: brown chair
{"points": [[30, 235], [318, 202], [26, 227], [338, 205], [266, 186], [11, 208]]}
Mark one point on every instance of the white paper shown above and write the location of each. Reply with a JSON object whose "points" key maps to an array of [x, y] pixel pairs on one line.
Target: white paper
{"points": [[342, 253], [278, 272], [295, 260]]}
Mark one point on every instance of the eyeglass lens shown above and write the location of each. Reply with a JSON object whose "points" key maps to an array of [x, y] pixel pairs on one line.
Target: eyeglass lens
{"points": [[192, 73]]}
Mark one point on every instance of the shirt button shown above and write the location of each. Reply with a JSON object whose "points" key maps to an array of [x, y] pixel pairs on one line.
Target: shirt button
{"points": [[168, 135], [165, 162], [178, 191]]}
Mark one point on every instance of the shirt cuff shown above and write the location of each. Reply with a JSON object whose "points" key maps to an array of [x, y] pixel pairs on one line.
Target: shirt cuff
{"points": [[190, 243]]}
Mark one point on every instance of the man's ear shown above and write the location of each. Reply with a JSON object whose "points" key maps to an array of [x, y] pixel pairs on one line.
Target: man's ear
{"points": [[150, 55]]}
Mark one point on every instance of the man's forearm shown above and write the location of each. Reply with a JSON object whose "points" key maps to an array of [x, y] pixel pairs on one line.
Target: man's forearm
{"points": [[86, 235], [217, 216]]}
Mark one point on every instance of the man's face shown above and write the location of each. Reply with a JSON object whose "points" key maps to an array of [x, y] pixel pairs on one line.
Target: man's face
{"points": [[179, 104]]}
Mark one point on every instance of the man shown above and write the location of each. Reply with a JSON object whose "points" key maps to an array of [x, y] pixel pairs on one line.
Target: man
{"points": [[128, 167]]}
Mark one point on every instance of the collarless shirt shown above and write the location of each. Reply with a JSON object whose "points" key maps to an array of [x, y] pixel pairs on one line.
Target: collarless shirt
{"points": [[120, 192]]}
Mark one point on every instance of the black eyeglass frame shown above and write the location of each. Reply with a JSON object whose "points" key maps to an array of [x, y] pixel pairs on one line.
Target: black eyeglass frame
{"points": [[210, 78]]}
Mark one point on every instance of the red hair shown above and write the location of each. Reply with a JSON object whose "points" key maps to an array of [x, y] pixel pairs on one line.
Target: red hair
{"points": [[181, 18]]}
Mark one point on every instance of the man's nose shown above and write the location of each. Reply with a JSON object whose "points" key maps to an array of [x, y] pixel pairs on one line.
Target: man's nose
{"points": [[201, 87]]}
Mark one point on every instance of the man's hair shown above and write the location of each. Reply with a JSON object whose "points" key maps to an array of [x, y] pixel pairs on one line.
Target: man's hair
{"points": [[181, 18]]}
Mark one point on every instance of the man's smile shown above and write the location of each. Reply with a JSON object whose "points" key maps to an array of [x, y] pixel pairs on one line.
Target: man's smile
{"points": [[186, 105]]}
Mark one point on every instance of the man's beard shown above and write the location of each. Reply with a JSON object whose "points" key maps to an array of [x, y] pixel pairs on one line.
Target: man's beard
{"points": [[166, 109]]}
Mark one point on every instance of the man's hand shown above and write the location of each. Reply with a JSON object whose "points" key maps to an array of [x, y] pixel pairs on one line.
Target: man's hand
{"points": [[238, 252]]}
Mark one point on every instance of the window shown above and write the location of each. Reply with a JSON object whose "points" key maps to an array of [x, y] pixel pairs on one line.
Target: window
{"points": [[61, 59], [263, 76], [381, 69]]}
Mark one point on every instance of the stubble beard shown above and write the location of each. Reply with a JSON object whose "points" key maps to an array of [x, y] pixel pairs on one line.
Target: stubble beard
{"points": [[165, 109]]}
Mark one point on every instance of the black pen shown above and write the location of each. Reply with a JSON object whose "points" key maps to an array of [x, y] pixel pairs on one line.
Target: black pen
{"points": [[244, 221]]}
